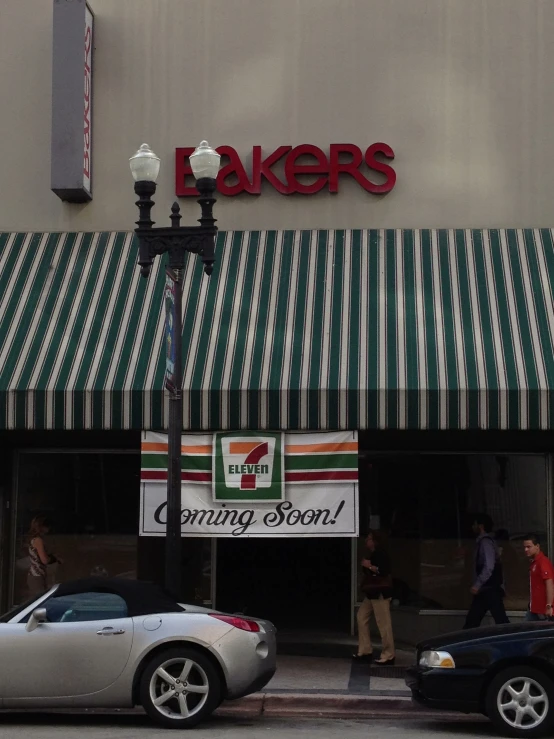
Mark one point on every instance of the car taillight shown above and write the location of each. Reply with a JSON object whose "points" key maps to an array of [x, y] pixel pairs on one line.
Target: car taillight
{"points": [[240, 623]]}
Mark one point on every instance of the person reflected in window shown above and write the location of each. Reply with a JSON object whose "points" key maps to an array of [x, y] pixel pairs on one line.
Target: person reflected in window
{"points": [[488, 579], [38, 557], [377, 588], [510, 560]]}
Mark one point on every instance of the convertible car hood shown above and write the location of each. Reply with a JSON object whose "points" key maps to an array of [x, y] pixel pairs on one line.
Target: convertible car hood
{"points": [[485, 632]]}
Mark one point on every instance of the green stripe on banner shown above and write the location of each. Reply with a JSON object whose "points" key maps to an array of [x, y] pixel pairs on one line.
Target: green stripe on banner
{"points": [[188, 462], [292, 462], [321, 461]]}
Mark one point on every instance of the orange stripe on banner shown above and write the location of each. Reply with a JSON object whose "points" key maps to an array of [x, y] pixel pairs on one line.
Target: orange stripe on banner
{"points": [[345, 446], [242, 447], [245, 447], [154, 446]]}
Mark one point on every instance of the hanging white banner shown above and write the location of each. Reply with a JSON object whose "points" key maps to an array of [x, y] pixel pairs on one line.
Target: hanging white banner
{"points": [[255, 484]]}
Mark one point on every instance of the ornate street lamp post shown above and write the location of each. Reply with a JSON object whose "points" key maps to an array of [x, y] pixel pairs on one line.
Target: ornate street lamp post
{"points": [[176, 241]]}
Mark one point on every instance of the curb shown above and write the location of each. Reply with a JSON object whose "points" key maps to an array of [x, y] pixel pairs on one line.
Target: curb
{"points": [[332, 706], [294, 705]]}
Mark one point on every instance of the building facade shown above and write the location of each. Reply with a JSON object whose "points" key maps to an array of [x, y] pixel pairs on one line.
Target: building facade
{"points": [[401, 288]]}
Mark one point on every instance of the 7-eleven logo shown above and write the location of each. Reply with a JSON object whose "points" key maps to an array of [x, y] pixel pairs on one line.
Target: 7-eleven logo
{"points": [[251, 468], [251, 464]]}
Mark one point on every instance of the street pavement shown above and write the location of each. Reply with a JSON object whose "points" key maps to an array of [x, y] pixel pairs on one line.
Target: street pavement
{"points": [[51, 726]]}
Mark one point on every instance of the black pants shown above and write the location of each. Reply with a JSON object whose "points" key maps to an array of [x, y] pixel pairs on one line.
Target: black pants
{"points": [[486, 600]]}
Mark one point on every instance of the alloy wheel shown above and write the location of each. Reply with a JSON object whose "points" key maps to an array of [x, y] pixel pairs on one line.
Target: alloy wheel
{"points": [[179, 688], [523, 703]]}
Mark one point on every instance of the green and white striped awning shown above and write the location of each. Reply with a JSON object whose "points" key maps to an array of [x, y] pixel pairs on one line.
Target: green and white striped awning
{"points": [[294, 330]]}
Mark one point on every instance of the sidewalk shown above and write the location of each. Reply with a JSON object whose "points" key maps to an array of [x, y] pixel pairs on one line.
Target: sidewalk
{"points": [[300, 674]]}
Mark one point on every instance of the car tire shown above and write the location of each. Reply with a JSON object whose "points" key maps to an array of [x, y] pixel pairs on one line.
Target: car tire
{"points": [[180, 687], [520, 702]]}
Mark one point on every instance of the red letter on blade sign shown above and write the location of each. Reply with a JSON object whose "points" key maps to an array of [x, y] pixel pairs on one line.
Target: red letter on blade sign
{"points": [[321, 167]]}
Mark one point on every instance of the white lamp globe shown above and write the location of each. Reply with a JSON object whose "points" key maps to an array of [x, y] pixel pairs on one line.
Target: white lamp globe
{"points": [[204, 161], [145, 165]]}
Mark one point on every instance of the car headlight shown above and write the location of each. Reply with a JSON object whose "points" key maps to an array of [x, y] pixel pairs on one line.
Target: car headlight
{"points": [[437, 659]]}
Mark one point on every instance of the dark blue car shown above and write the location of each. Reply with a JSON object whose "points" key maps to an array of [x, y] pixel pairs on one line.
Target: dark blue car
{"points": [[505, 672]]}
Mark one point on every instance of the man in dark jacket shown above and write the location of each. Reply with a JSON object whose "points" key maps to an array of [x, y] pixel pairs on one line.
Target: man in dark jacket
{"points": [[488, 582]]}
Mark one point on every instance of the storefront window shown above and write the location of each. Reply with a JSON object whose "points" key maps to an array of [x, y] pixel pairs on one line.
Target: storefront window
{"points": [[92, 503], [424, 506]]}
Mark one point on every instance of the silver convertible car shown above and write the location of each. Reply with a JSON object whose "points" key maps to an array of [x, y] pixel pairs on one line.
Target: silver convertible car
{"points": [[103, 643]]}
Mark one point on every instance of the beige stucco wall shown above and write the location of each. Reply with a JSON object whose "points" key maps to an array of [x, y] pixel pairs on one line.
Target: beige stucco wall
{"points": [[461, 89]]}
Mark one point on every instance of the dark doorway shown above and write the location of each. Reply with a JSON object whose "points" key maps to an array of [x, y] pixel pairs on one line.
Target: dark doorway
{"points": [[296, 583]]}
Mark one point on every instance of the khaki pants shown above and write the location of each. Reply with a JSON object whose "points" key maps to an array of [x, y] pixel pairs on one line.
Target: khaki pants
{"points": [[381, 609]]}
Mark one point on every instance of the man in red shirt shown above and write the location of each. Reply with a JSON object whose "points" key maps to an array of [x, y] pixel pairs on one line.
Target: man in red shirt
{"points": [[541, 580]]}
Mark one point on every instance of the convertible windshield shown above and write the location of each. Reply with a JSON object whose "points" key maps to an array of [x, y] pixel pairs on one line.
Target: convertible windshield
{"points": [[18, 609]]}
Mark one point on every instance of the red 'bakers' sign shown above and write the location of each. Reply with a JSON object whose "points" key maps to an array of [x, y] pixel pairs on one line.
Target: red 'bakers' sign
{"points": [[305, 160]]}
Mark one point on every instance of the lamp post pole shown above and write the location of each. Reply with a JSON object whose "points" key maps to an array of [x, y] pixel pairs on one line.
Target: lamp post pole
{"points": [[176, 241], [173, 576]]}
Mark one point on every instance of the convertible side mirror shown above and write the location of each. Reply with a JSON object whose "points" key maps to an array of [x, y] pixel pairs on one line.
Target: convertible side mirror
{"points": [[38, 616]]}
